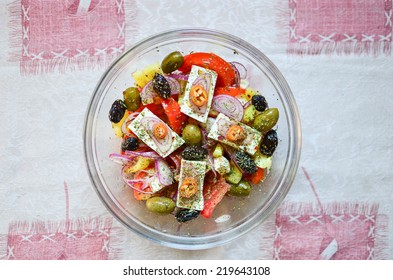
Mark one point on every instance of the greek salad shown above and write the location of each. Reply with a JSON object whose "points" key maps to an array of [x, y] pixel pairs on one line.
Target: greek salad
{"points": [[192, 131]]}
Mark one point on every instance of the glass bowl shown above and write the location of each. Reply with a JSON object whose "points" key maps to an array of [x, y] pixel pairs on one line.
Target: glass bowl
{"points": [[241, 214]]}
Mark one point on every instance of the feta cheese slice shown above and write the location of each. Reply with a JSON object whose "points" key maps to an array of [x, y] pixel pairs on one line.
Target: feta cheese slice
{"points": [[199, 76], [138, 126], [220, 128], [195, 170], [156, 185]]}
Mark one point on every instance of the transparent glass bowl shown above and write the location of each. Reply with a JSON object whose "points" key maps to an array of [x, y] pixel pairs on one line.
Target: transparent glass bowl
{"points": [[245, 213]]}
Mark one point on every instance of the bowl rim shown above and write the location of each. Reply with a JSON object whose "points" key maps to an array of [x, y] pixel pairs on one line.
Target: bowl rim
{"points": [[293, 156]]}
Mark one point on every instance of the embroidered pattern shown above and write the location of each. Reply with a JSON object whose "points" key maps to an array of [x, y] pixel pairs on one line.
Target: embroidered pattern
{"points": [[66, 35], [327, 26], [303, 233], [82, 239]]}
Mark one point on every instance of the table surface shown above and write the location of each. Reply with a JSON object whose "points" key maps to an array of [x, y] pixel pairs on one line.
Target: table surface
{"points": [[336, 58]]}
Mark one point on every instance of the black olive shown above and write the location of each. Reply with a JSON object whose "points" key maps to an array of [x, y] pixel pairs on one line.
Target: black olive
{"points": [[259, 103], [269, 143], [186, 215], [194, 153], [130, 144], [161, 86], [245, 162], [117, 111]]}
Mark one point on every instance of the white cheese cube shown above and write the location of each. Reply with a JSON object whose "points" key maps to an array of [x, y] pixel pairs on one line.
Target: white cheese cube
{"points": [[222, 165], [220, 128], [199, 76], [195, 170], [139, 127]]}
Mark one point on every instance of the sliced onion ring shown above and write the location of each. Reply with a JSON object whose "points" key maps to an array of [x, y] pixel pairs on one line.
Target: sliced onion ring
{"points": [[149, 154], [179, 77], [122, 159], [248, 103], [176, 161], [127, 121], [164, 172], [145, 182], [229, 106], [148, 94], [174, 85], [241, 69], [237, 75]]}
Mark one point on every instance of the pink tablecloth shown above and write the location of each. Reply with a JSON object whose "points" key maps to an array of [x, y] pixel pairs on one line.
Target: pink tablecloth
{"points": [[336, 56]]}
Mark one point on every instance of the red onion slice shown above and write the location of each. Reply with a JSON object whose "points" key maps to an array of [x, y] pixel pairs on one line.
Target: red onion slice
{"points": [[164, 145], [248, 103], [148, 94], [122, 159], [125, 175], [174, 85], [142, 189], [151, 154], [176, 160], [127, 121], [240, 68], [229, 106], [164, 172], [223, 126], [237, 76], [179, 76]]}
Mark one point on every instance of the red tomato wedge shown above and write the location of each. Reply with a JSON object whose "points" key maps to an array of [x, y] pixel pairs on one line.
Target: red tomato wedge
{"points": [[177, 120], [155, 108], [213, 193], [232, 91], [256, 177], [226, 74]]}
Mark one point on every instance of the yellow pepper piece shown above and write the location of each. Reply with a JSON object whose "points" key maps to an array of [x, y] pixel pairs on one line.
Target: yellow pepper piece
{"points": [[141, 163], [117, 126]]}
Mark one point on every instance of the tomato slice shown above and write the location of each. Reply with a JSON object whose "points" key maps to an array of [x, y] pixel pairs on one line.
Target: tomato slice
{"points": [[256, 177], [232, 91], [226, 75], [213, 193], [177, 120]]}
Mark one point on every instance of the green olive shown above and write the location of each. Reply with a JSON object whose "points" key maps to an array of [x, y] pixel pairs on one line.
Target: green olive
{"points": [[132, 98], [172, 62], [241, 189], [265, 121], [160, 205], [192, 134]]}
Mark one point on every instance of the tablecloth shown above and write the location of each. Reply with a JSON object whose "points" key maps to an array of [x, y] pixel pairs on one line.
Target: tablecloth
{"points": [[336, 56]]}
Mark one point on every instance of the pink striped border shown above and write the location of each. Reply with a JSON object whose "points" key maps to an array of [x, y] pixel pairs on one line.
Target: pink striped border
{"points": [[82, 239], [48, 36], [335, 26], [341, 231]]}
